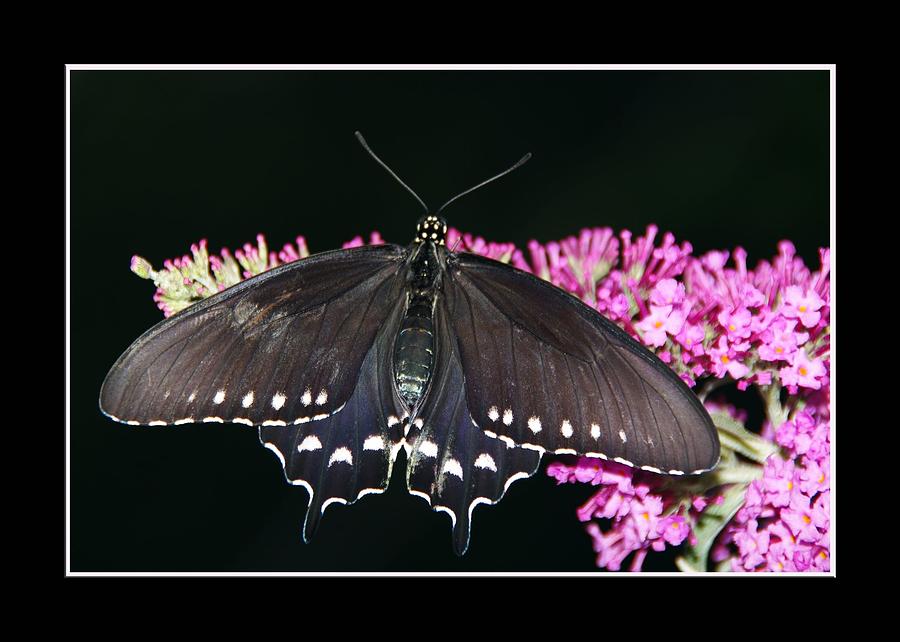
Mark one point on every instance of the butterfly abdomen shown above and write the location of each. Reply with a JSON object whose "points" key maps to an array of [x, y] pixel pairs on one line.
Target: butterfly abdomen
{"points": [[414, 350]]}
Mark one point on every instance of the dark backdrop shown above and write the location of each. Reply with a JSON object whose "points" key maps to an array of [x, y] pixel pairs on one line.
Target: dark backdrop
{"points": [[162, 159]]}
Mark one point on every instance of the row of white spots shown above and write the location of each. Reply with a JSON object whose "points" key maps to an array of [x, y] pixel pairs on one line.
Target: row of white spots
{"points": [[534, 424], [278, 399]]}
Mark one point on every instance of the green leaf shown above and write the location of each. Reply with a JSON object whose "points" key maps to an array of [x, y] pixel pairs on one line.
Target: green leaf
{"points": [[709, 524], [734, 436]]}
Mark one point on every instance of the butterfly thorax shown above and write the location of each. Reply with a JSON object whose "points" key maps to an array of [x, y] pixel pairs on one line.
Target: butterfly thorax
{"points": [[414, 346]]}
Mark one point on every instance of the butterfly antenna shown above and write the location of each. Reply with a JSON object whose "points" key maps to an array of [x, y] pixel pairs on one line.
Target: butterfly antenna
{"points": [[362, 141], [520, 162]]}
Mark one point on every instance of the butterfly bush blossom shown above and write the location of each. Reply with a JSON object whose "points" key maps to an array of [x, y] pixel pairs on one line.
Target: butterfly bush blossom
{"points": [[715, 322]]}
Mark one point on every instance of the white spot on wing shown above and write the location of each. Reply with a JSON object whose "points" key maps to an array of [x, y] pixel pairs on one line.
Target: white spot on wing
{"points": [[485, 461], [623, 461], [301, 420], [676, 472], [209, 420], [311, 443], [278, 401], [565, 451], [274, 422], [241, 420], [178, 422], [341, 454], [157, 423], [247, 401], [419, 423], [373, 442], [452, 467], [306, 399], [220, 397], [193, 396], [429, 449], [651, 469], [566, 429], [534, 423], [491, 434], [622, 436], [507, 416], [392, 421], [595, 431], [322, 398], [493, 413]]}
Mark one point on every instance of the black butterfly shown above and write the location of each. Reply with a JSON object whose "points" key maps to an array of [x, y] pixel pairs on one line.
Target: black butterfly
{"points": [[471, 366]]}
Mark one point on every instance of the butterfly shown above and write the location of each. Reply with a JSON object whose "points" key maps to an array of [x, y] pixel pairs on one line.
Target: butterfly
{"points": [[474, 369]]}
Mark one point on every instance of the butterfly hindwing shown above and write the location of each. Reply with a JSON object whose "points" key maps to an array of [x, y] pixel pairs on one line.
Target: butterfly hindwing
{"points": [[545, 370], [452, 463], [275, 349], [349, 454]]}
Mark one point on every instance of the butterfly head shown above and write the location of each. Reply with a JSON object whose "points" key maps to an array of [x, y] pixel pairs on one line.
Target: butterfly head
{"points": [[431, 228]]}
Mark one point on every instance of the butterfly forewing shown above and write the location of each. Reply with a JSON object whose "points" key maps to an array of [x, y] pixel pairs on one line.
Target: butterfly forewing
{"points": [[545, 370], [281, 348]]}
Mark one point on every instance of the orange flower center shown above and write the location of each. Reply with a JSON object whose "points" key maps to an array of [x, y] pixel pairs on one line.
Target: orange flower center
{"points": [[657, 325], [790, 485], [803, 371], [802, 308], [822, 478], [725, 358], [779, 350], [647, 516], [731, 327], [806, 519]]}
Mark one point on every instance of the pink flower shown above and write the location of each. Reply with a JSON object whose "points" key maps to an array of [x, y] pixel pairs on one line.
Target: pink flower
{"points": [[736, 323], [803, 371], [781, 341], [724, 360], [802, 305], [800, 519], [667, 292], [660, 322]]}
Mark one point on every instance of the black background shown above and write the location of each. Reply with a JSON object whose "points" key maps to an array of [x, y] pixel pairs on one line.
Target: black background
{"points": [[160, 159]]}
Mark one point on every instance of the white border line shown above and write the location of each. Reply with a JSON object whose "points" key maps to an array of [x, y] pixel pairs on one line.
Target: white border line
{"points": [[831, 68]]}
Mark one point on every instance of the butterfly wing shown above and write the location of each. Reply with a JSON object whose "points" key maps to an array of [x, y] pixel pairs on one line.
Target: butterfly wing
{"points": [[281, 348], [547, 371], [348, 455], [452, 463]]}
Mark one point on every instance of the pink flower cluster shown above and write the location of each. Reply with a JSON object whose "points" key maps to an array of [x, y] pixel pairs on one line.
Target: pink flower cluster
{"points": [[784, 523], [642, 518]]}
